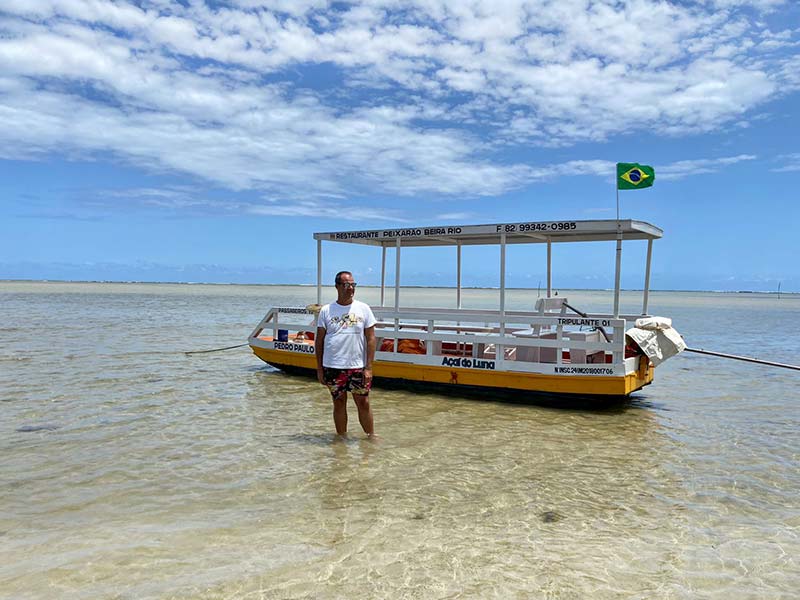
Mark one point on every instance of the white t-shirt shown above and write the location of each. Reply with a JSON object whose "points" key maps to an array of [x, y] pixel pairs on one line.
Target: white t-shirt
{"points": [[345, 344]]}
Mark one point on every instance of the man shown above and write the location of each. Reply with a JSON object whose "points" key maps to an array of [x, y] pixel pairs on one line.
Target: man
{"points": [[345, 349]]}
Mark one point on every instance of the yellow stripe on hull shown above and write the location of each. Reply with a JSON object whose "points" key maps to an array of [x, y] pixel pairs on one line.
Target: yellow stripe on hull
{"points": [[509, 380]]}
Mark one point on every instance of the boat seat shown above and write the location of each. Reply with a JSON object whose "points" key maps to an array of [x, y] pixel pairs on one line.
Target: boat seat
{"points": [[533, 354], [557, 305], [580, 356], [549, 307]]}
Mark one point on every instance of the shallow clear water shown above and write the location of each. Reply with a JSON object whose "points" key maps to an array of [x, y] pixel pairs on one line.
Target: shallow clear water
{"points": [[130, 470]]}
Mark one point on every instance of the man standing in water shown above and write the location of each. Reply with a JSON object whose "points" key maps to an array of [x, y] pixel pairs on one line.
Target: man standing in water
{"points": [[345, 349]]}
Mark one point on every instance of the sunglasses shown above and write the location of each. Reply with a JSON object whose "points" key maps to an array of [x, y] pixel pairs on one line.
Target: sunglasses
{"points": [[347, 285]]}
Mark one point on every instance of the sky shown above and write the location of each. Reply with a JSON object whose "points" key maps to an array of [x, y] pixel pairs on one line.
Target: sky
{"points": [[207, 141]]}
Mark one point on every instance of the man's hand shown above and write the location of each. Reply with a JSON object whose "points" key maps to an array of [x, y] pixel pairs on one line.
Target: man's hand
{"points": [[372, 342], [319, 351]]}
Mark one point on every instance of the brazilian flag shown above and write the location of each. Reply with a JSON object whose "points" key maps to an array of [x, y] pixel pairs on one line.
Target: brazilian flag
{"points": [[633, 176]]}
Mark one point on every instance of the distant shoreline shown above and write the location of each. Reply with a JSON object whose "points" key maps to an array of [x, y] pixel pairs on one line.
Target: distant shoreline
{"points": [[443, 287]]}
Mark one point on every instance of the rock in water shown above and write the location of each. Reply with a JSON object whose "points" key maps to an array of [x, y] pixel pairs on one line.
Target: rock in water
{"points": [[550, 516]]}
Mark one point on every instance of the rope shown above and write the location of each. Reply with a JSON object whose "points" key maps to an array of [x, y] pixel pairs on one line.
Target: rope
{"points": [[744, 358], [216, 349]]}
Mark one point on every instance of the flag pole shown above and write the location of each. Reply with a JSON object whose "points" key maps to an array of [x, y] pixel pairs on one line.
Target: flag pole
{"points": [[619, 253]]}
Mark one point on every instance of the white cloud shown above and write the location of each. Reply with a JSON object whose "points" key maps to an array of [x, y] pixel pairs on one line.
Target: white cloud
{"points": [[311, 99], [687, 168], [326, 209], [756, 4], [196, 200], [791, 163], [454, 216], [668, 171]]}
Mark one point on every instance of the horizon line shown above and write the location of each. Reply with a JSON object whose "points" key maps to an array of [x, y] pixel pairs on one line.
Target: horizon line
{"points": [[445, 287]]}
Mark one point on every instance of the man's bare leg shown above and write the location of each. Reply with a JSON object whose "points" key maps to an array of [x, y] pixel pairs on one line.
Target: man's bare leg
{"points": [[340, 413], [364, 414]]}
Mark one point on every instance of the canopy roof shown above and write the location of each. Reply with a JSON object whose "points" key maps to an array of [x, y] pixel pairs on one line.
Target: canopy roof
{"points": [[526, 232]]}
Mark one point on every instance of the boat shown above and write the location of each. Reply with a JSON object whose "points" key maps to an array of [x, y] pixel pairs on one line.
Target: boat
{"points": [[554, 349]]}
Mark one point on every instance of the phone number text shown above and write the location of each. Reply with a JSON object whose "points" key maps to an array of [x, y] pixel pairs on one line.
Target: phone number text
{"points": [[533, 227]]}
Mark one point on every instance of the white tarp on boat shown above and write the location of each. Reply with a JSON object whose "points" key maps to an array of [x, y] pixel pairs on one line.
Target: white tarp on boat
{"points": [[657, 338]]}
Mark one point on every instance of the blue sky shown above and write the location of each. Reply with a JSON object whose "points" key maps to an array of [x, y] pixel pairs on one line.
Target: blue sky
{"points": [[207, 141]]}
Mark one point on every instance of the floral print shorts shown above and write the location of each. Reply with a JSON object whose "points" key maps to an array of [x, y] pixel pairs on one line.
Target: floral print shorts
{"points": [[346, 380]]}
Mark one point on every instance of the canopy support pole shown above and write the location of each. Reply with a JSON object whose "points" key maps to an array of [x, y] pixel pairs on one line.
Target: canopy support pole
{"points": [[619, 261], [616, 276], [549, 266], [319, 271], [383, 275], [502, 284], [397, 276], [646, 295], [458, 274]]}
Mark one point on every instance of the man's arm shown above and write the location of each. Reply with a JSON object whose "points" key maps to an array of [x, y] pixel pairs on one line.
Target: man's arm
{"points": [[319, 350], [369, 334]]}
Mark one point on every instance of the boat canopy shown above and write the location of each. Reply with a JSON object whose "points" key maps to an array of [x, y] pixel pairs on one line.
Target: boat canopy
{"points": [[515, 233], [502, 234]]}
